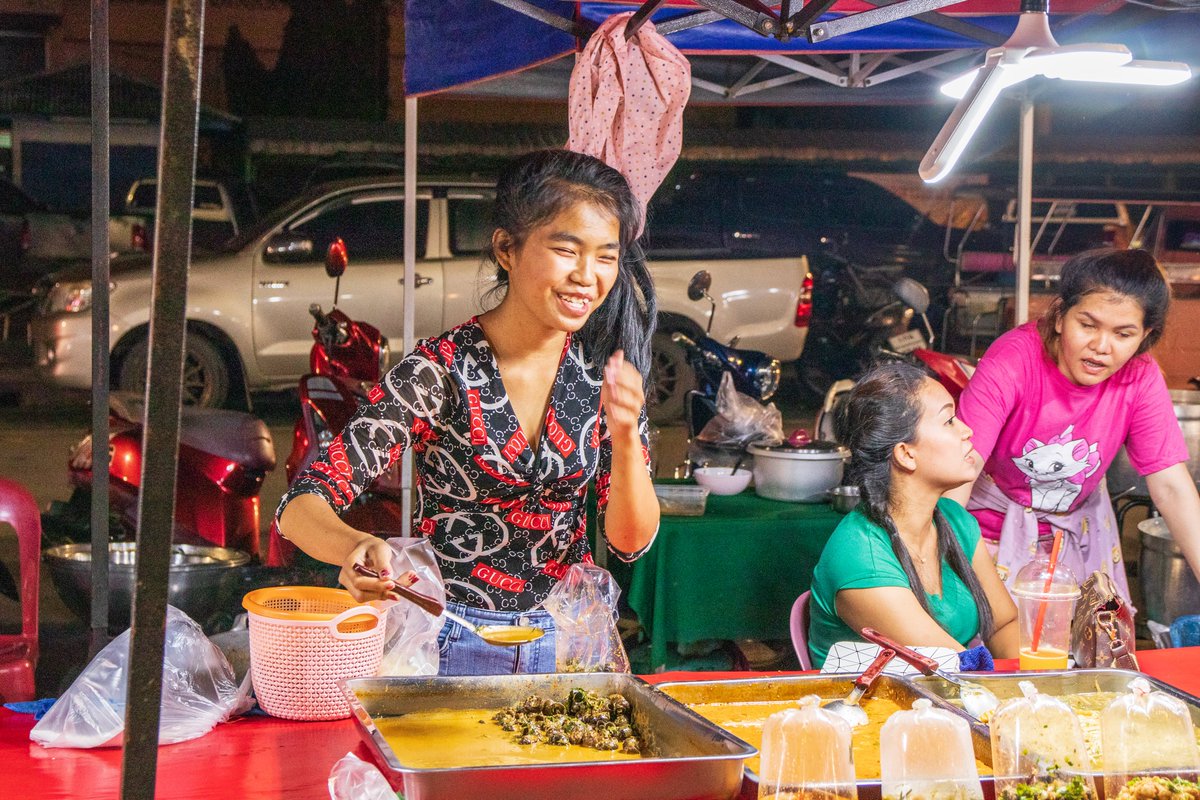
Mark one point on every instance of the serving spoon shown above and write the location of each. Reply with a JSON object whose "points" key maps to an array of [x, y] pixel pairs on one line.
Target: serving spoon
{"points": [[499, 635], [849, 709]]}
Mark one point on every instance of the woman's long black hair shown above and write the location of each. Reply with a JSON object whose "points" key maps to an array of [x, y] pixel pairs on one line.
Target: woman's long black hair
{"points": [[538, 186], [882, 411]]}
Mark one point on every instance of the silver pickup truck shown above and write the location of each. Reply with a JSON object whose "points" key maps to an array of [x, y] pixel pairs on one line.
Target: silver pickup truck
{"points": [[248, 322]]}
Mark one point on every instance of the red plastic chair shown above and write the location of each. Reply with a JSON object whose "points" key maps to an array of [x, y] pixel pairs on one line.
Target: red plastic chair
{"points": [[799, 625], [19, 652]]}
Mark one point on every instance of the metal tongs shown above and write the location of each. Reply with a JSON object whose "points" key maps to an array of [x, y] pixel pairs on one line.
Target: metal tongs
{"points": [[499, 635], [978, 701]]}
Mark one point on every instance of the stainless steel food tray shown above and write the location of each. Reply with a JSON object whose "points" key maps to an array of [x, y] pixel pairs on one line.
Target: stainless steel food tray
{"points": [[1056, 683], [689, 757], [903, 691]]}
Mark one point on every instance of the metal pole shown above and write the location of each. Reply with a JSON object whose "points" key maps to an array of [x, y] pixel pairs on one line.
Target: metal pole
{"points": [[1024, 207], [100, 344], [410, 283], [164, 379]]}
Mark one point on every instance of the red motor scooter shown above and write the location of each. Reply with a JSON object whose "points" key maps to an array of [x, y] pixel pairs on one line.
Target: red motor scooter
{"points": [[223, 458], [348, 357]]}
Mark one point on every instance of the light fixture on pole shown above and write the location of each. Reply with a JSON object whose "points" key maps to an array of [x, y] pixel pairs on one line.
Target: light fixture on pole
{"points": [[1031, 51]]}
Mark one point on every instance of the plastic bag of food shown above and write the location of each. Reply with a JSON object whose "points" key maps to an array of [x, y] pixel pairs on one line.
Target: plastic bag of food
{"points": [[198, 692], [925, 754], [741, 419], [1038, 750], [410, 644], [584, 608], [1148, 745], [806, 753], [354, 779]]}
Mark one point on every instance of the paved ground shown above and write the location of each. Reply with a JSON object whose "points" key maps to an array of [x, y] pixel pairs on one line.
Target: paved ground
{"points": [[38, 428]]}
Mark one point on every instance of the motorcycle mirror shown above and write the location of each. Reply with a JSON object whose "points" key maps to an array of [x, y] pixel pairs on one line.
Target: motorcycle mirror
{"points": [[912, 294], [699, 285], [337, 259]]}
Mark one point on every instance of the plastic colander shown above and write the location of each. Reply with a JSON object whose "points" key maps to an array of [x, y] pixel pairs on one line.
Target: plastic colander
{"points": [[303, 641]]}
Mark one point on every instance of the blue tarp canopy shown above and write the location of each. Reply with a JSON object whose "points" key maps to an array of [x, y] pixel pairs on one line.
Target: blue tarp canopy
{"points": [[486, 47]]}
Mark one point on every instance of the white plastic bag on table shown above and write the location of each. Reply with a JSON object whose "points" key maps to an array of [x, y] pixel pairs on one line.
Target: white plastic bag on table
{"points": [[584, 608], [354, 779], [741, 419], [410, 645], [199, 691]]}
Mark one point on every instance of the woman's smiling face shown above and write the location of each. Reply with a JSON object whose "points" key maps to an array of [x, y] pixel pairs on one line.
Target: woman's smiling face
{"points": [[565, 267], [1097, 336]]}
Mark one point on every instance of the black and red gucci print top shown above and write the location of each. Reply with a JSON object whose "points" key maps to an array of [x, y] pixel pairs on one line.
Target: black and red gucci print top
{"points": [[505, 521]]}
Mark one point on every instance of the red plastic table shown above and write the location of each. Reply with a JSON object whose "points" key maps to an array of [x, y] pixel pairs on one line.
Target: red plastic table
{"points": [[260, 758]]}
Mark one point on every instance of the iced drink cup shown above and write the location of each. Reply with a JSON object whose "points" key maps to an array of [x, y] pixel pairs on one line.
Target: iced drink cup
{"points": [[1045, 605]]}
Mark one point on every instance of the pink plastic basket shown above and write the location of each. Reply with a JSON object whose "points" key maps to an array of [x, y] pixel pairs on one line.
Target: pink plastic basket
{"points": [[303, 641]]}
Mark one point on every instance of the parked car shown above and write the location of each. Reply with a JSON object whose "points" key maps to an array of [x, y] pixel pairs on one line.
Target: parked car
{"points": [[248, 304], [1063, 224], [219, 212]]}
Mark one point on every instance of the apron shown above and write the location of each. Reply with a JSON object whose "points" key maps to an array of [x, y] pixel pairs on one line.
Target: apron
{"points": [[1091, 541]]}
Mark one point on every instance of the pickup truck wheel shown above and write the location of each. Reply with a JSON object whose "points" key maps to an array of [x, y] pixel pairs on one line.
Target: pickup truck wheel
{"points": [[206, 376], [671, 378]]}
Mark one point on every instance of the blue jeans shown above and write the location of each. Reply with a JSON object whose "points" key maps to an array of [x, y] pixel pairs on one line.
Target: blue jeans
{"points": [[463, 653]]}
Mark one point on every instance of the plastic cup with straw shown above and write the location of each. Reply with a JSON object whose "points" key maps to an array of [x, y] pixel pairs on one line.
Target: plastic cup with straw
{"points": [[1045, 591]]}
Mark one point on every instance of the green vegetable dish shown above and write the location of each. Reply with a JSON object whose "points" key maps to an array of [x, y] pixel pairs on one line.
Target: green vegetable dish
{"points": [[1159, 789], [1076, 788], [585, 718]]}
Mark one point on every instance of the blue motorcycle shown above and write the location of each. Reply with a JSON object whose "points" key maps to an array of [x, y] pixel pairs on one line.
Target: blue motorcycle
{"points": [[754, 373]]}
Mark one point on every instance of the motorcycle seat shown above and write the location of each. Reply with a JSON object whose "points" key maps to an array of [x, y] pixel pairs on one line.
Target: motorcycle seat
{"points": [[235, 435]]}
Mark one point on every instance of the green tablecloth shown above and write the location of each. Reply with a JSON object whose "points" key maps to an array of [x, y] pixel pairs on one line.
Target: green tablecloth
{"points": [[730, 574]]}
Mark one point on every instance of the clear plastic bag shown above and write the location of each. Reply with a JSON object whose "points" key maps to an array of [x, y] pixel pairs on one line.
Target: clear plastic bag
{"points": [[410, 644], [199, 691], [806, 755], [354, 779], [1148, 743], [584, 608], [741, 419], [1038, 749], [926, 754]]}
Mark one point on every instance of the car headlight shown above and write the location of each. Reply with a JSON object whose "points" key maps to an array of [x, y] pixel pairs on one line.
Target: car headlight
{"points": [[766, 379], [71, 297]]}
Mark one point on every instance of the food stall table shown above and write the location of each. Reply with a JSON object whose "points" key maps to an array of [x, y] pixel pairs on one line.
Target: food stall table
{"points": [[732, 573], [262, 758]]}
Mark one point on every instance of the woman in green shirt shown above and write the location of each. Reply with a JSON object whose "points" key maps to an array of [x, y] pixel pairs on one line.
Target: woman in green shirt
{"points": [[906, 561]]}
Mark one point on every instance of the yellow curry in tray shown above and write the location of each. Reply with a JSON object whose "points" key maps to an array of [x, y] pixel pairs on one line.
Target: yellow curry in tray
{"points": [[467, 737], [745, 720]]}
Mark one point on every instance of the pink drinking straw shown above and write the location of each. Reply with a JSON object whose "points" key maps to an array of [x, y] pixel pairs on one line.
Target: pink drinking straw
{"points": [[1041, 616]]}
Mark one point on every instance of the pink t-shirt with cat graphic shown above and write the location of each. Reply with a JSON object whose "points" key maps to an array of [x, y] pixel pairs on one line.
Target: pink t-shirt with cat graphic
{"points": [[1047, 442]]}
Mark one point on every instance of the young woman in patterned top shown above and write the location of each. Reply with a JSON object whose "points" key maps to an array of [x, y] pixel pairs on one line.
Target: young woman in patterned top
{"points": [[510, 416]]}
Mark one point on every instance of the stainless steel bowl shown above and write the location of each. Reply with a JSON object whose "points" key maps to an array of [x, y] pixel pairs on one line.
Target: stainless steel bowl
{"points": [[202, 581], [844, 498]]}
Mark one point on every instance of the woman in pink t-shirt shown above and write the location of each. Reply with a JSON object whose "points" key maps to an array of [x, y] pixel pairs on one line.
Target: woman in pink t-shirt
{"points": [[1053, 401]]}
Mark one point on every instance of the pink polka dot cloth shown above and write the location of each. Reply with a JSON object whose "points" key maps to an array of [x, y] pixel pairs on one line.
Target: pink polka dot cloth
{"points": [[626, 103]]}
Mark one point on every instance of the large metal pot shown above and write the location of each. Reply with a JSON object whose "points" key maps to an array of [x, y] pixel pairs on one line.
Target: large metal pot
{"points": [[1122, 476], [202, 581], [1168, 586], [801, 474]]}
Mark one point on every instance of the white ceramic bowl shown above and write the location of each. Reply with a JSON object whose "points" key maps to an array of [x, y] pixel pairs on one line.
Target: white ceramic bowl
{"points": [[723, 480]]}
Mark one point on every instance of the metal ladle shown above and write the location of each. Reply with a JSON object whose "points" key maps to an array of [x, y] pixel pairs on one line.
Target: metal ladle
{"points": [[849, 709], [498, 635]]}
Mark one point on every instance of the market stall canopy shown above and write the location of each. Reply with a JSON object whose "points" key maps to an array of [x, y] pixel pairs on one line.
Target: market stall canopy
{"points": [[513, 47]]}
